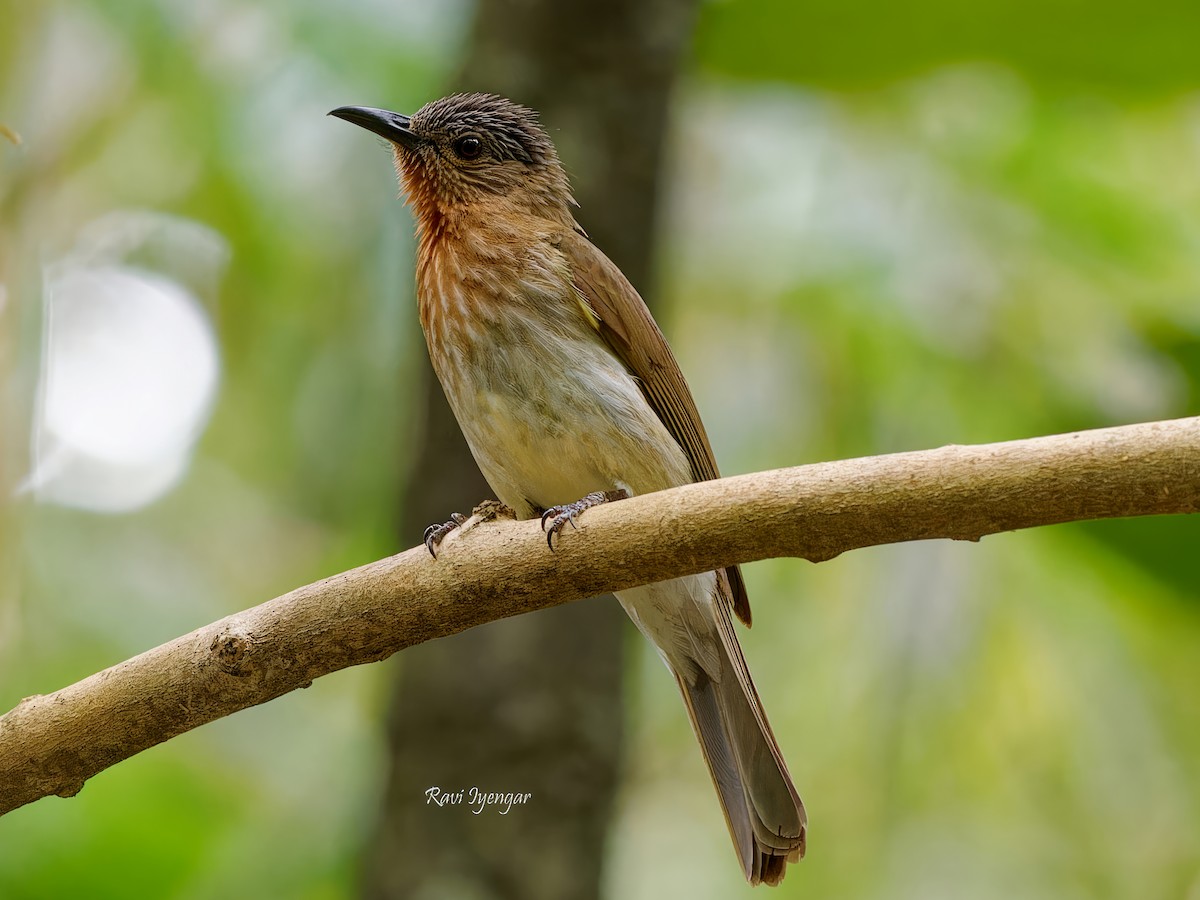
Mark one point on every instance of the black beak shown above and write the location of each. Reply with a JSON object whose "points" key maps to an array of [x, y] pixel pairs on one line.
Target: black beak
{"points": [[390, 125]]}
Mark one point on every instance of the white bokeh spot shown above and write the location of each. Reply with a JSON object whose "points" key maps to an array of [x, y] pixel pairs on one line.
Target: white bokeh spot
{"points": [[128, 381]]}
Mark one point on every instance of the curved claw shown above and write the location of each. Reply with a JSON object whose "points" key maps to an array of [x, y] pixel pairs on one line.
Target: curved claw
{"points": [[562, 515], [435, 534]]}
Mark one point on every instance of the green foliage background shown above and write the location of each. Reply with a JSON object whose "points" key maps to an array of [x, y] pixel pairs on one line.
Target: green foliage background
{"points": [[890, 226]]}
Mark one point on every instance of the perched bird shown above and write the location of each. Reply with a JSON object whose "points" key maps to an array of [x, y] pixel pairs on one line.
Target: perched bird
{"points": [[565, 388]]}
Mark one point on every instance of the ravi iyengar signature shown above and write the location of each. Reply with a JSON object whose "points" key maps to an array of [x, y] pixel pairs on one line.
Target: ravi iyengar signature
{"points": [[475, 799]]}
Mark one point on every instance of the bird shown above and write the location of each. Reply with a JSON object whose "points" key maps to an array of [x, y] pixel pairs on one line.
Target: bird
{"points": [[569, 396]]}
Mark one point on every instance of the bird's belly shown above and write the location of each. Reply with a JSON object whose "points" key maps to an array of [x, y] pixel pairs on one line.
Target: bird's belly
{"points": [[548, 424], [543, 456]]}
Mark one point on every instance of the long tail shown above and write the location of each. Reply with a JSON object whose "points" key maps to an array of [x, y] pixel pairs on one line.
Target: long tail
{"points": [[764, 812]]}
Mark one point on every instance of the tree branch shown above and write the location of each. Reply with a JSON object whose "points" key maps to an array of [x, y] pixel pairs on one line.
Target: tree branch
{"points": [[51, 744]]}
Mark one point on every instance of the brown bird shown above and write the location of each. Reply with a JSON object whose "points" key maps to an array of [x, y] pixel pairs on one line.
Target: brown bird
{"points": [[565, 388]]}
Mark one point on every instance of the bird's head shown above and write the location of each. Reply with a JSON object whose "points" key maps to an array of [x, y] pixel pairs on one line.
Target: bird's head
{"points": [[465, 149]]}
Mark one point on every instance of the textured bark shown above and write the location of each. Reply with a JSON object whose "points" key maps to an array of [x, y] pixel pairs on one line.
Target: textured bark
{"points": [[51, 744], [531, 704]]}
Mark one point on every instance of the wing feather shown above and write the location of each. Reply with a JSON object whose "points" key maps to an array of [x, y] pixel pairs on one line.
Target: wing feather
{"points": [[622, 319]]}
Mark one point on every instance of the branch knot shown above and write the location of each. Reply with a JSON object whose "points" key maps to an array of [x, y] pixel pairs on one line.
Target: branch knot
{"points": [[231, 650]]}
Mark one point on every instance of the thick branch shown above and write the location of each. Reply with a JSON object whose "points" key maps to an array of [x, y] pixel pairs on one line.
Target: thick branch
{"points": [[51, 744]]}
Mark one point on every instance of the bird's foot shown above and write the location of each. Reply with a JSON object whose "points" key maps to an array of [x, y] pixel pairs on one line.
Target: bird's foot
{"points": [[435, 534], [487, 511], [559, 516]]}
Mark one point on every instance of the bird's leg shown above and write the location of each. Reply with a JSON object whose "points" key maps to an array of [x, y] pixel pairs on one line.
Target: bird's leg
{"points": [[435, 534], [559, 516]]}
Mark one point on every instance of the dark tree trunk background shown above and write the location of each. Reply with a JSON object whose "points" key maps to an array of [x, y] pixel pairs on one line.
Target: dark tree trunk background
{"points": [[534, 703]]}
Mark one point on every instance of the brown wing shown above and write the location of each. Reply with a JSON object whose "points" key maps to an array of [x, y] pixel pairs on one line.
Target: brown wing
{"points": [[625, 323]]}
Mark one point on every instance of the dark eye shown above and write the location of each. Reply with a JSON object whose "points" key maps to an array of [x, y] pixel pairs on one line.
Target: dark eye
{"points": [[468, 147]]}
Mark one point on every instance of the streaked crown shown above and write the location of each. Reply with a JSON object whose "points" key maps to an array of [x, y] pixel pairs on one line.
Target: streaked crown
{"points": [[469, 147]]}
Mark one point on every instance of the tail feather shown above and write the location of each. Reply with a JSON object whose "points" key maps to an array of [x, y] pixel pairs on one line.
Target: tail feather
{"points": [[689, 620], [763, 810], [704, 712]]}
